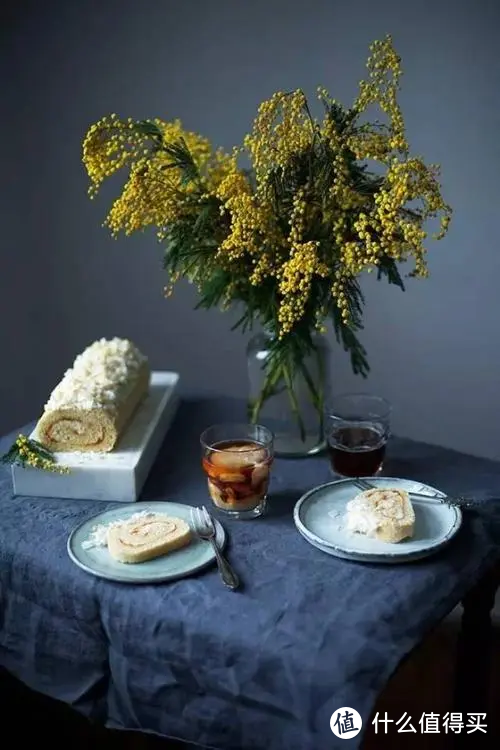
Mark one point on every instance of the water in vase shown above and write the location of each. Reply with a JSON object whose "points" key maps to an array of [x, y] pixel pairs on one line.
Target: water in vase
{"points": [[292, 413]]}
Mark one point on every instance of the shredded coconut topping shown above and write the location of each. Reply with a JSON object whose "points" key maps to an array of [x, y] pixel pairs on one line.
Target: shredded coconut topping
{"points": [[383, 503], [369, 509], [99, 377]]}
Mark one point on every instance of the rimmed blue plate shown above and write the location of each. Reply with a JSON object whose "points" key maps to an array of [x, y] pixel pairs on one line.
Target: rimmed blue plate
{"points": [[178, 564], [319, 518]]}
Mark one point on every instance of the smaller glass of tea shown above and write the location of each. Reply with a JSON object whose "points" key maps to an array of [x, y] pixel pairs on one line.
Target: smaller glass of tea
{"points": [[357, 430], [237, 460]]}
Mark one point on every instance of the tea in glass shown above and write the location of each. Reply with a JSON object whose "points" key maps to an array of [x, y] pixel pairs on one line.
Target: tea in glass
{"points": [[237, 461], [358, 428]]}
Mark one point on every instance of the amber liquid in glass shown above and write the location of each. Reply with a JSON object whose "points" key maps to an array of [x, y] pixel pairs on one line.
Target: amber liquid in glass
{"points": [[238, 473], [357, 451]]}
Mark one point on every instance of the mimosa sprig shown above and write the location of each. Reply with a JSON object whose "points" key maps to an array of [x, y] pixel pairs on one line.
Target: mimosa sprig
{"points": [[27, 452], [324, 201]]}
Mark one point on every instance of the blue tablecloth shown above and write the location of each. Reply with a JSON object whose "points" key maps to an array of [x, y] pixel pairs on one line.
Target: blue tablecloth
{"points": [[262, 668]]}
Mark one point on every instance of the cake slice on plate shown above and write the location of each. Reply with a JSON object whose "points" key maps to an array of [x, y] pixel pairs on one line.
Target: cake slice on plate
{"points": [[147, 538], [383, 514]]}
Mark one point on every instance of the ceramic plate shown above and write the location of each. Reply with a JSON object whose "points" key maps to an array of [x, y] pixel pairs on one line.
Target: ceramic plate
{"points": [[177, 564], [319, 517]]}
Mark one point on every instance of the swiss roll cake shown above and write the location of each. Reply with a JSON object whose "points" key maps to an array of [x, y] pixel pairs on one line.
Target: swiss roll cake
{"points": [[147, 538], [91, 406], [384, 514]]}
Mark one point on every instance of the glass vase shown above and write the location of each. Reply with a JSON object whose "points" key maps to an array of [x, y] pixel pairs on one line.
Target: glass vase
{"points": [[293, 405]]}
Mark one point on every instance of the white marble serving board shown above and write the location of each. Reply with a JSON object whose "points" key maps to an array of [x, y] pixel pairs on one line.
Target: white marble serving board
{"points": [[116, 476]]}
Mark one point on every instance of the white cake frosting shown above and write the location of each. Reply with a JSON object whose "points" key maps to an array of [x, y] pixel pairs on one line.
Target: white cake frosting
{"points": [[361, 520], [100, 376], [364, 516], [385, 514]]}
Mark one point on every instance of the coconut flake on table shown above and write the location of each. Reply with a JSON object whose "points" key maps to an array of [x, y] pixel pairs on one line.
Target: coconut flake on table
{"points": [[99, 534]]}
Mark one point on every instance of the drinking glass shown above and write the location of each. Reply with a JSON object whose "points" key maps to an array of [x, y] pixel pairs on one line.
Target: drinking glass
{"points": [[237, 460], [357, 431]]}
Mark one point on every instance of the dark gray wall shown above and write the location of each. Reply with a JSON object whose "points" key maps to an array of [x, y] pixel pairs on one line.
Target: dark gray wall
{"points": [[64, 282]]}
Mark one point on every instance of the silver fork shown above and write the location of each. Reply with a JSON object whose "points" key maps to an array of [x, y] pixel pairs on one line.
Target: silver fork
{"points": [[203, 527], [458, 502]]}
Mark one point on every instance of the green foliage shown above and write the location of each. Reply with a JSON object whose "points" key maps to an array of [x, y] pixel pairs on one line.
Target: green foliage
{"points": [[30, 453], [192, 242], [287, 240]]}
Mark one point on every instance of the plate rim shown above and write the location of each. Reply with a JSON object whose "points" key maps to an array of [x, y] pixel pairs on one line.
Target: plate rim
{"points": [[221, 541], [377, 559], [357, 556]]}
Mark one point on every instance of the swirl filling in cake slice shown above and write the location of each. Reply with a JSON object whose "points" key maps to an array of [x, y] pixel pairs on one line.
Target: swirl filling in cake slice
{"points": [[93, 403], [383, 514], [147, 538]]}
